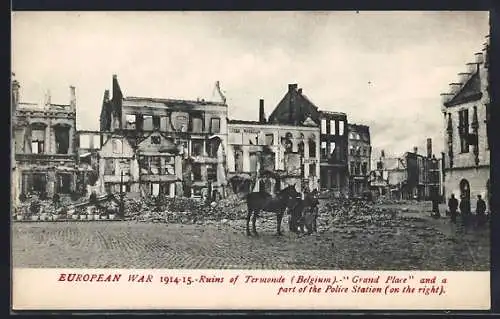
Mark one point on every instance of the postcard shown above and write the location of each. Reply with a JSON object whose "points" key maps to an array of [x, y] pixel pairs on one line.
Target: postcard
{"points": [[250, 160]]}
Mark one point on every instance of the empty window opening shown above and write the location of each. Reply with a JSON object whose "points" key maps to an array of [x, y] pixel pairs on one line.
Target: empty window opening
{"points": [[312, 148], [269, 139], [155, 140], [117, 146], [323, 150], [341, 127], [62, 139], [212, 172], [64, 183], [148, 122], [215, 125], [196, 171], [196, 148], [197, 125], [130, 121]]}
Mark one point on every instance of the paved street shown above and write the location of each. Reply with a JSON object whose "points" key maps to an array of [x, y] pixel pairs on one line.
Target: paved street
{"points": [[410, 241]]}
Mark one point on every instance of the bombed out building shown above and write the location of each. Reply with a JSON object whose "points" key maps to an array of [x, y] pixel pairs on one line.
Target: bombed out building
{"points": [[359, 159], [410, 176], [43, 146], [179, 144], [296, 108], [259, 148], [467, 132]]}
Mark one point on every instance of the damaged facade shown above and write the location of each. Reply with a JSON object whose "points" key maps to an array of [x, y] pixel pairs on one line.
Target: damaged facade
{"points": [[179, 144], [44, 148], [290, 151], [359, 159], [295, 109], [410, 176], [466, 122]]}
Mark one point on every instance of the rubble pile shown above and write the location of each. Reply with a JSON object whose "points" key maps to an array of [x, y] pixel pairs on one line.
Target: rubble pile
{"points": [[183, 210]]}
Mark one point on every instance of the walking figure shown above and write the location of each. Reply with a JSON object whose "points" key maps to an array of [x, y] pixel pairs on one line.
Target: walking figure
{"points": [[480, 211], [452, 206], [465, 210]]}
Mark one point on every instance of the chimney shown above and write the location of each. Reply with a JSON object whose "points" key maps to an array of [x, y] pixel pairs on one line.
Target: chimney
{"points": [[382, 154], [72, 97], [429, 148], [292, 87], [48, 98], [415, 149], [300, 91], [15, 92], [262, 115]]}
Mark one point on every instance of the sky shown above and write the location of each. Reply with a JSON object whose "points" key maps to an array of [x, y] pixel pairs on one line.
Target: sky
{"points": [[384, 69]]}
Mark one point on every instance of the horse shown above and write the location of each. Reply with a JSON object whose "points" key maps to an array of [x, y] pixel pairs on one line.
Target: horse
{"points": [[264, 202], [305, 213]]}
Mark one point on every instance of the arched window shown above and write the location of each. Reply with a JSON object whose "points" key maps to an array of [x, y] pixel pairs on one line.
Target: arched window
{"points": [[117, 146], [312, 148], [301, 148], [464, 189]]}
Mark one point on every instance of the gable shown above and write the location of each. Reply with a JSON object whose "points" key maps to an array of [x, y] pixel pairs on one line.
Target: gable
{"points": [[470, 91], [157, 142], [297, 104], [116, 146]]}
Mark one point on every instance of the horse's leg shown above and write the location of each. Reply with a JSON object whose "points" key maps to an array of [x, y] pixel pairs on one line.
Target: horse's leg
{"points": [[279, 217], [254, 219], [249, 214], [315, 223]]}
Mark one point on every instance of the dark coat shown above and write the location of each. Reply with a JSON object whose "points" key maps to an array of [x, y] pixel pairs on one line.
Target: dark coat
{"points": [[452, 204], [465, 206], [480, 207]]}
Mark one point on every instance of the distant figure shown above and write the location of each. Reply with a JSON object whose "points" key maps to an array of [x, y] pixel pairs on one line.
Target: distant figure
{"points": [[480, 210], [452, 206], [435, 206], [465, 210]]}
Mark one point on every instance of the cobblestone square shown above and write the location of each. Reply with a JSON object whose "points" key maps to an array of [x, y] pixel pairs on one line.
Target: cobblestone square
{"points": [[412, 240]]}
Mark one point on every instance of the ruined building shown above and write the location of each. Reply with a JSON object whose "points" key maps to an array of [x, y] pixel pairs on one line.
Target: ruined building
{"points": [[179, 145], [296, 109], [44, 150], [410, 176], [466, 123], [257, 148], [359, 159]]}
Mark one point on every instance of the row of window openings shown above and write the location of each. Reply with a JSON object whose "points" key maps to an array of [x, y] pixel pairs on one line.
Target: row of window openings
{"points": [[181, 123], [38, 183], [463, 130], [359, 169], [61, 141], [357, 150], [196, 175], [269, 164], [335, 127]]}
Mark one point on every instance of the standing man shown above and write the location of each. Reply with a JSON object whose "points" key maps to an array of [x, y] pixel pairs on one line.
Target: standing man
{"points": [[452, 206], [465, 210], [480, 210], [435, 206]]}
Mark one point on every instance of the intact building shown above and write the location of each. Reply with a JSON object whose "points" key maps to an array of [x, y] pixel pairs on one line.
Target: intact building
{"points": [[292, 152], [186, 141], [359, 159], [43, 146], [295, 108], [466, 119]]}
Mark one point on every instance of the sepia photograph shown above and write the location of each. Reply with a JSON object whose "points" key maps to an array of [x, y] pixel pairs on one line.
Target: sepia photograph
{"points": [[251, 140]]}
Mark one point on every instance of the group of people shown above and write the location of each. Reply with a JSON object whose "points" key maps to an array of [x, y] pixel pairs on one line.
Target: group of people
{"points": [[465, 210]]}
